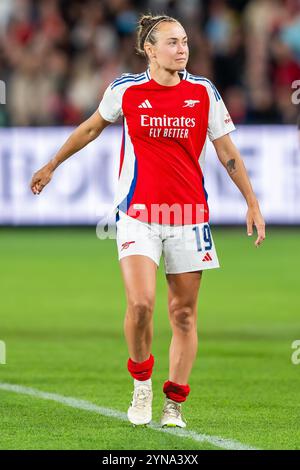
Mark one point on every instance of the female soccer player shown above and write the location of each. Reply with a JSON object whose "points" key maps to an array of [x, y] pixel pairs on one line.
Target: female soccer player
{"points": [[161, 201]]}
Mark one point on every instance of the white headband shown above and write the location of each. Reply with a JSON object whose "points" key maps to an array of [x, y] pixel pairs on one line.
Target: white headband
{"points": [[154, 26]]}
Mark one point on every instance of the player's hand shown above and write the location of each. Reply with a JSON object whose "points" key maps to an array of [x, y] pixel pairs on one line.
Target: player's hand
{"points": [[41, 178], [254, 217]]}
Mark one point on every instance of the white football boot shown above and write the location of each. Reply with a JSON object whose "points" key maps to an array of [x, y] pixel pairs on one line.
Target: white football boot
{"points": [[171, 415], [140, 410]]}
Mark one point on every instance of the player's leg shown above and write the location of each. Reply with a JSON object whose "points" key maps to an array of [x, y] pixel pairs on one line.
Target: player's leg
{"points": [[182, 305], [188, 250], [139, 250], [139, 275]]}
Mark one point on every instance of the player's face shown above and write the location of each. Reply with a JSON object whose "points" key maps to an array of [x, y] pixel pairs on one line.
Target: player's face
{"points": [[171, 49]]}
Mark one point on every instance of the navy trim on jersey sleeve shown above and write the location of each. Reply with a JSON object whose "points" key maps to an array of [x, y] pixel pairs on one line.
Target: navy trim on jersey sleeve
{"points": [[128, 78], [203, 79]]}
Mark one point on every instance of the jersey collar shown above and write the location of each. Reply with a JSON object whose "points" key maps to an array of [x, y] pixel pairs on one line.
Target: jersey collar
{"points": [[181, 72]]}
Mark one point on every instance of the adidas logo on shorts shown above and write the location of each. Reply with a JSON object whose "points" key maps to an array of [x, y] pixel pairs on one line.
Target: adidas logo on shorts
{"points": [[207, 257]]}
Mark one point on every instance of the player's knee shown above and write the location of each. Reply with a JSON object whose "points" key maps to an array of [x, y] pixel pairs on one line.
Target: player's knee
{"points": [[183, 318], [141, 312]]}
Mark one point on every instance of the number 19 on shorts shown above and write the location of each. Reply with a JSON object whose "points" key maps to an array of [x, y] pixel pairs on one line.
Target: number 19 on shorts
{"points": [[203, 237]]}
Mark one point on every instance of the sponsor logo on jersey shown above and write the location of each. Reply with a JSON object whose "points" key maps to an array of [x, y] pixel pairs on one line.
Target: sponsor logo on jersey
{"points": [[227, 119], [190, 103], [126, 245], [167, 121]]}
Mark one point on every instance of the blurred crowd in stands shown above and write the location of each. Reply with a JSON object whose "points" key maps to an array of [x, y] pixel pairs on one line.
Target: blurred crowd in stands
{"points": [[58, 56]]}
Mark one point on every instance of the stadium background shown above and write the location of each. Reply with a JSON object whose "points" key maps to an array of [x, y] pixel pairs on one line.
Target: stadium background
{"points": [[62, 302]]}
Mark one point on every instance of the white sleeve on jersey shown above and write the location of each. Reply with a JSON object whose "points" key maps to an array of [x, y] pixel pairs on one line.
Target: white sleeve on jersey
{"points": [[219, 120], [110, 106]]}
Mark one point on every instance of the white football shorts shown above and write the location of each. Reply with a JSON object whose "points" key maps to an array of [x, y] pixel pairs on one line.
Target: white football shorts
{"points": [[185, 248]]}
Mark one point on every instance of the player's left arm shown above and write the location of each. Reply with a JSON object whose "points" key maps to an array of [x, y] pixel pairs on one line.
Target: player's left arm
{"points": [[231, 159]]}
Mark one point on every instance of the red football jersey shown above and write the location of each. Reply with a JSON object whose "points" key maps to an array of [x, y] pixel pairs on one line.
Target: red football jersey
{"points": [[163, 146]]}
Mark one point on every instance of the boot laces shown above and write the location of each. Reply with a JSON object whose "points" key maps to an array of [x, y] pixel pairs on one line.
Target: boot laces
{"points": [[173, 409], [140, 397]]}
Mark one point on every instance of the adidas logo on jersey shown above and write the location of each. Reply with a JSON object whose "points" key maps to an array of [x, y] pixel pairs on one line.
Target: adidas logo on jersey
{"points": [[207, 257], [145, 104]]}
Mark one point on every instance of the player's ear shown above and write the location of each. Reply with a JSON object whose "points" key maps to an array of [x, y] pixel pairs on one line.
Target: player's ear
{"points": [[149, 51]]}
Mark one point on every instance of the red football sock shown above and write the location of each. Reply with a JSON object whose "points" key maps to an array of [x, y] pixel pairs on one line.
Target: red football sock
{"points": [[176, 392], [141, 370]]}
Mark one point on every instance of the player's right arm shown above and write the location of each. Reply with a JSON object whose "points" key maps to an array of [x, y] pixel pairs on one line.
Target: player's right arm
{"points": [[83, 135]]}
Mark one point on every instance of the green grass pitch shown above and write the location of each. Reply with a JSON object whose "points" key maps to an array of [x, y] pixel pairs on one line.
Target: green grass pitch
{"points": [[61, 316]]}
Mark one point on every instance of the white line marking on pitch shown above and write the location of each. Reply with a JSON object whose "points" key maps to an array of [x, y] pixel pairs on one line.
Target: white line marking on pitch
{"points": [[221, 442]]}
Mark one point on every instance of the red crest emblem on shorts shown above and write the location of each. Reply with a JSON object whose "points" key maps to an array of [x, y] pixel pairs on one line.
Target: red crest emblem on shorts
{"points": [[126, 245]]}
